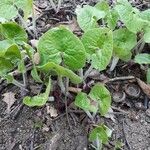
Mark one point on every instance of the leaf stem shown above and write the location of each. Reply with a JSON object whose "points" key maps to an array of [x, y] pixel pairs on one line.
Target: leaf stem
{"points": [[20, 85], [89, 115], [61, 84], [88, 72], [25, 25], [114, 63]]}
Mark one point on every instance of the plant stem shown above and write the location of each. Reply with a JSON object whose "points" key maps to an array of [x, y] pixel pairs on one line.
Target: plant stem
{"points": [[88, 72], [25, 25], [61, 84], [20, 85], [81, 73], [89, 115], [114, 63]]}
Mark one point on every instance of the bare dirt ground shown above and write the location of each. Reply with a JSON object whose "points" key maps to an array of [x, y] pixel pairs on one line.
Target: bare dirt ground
{"points": [[25, 128]]}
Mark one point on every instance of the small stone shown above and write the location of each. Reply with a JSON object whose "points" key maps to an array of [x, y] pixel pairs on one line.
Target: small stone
{"points": [[148, 112]]}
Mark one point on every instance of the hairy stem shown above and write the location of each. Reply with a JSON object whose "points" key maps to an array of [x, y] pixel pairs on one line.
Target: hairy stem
{"points": [[61, 84], [88, 72], [20, 85], [25, 25], [114, 63]]}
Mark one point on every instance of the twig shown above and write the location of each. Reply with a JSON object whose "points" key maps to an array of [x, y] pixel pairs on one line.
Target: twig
{"points": [[120, 78], [53, 5], [120, 110], [59, 5]]}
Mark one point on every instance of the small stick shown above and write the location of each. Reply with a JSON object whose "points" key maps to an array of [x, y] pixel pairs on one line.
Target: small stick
{"points": [[120, 110], [121, 78]]}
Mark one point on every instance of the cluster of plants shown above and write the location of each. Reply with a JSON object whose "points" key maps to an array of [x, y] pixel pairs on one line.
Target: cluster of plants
{"points": [[61, 53]]}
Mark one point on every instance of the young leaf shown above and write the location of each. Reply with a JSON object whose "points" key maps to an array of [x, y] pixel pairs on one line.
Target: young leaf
{"points": [[9, 8], [146, 36], [64, 72], [129, 16], [13, 32], [102, 95], [5, 66], [38, 100], [111, 15], [59, 45], [88, 16], [124, 41], [98, 44], [82, 101], [35, 75], [101, 132], [142, 58]]}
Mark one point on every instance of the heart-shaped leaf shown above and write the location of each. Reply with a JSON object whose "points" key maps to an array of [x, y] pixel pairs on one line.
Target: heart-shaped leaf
{"points": [[129, 16], [8, 8], [98, 44], [82, 101], [102, 95], [60, 45], [13, 32], [124, 41], [88, 16]]}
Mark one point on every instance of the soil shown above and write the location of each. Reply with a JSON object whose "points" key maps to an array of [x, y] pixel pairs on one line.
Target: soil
{"points": [[25, 128]]}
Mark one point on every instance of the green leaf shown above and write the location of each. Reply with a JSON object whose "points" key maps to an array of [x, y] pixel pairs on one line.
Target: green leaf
{"points": [[124, 41], [35, 75], [60, 45], [142, 58], [98, 44], [145, 15], [111, 15], [4, 45], [5, 66], [129, 16], [102, 95], [88, 16], [13, 53], [82, 101], [8, 8], [100, 132], [64, 72], [38, 100], [147, 34], [25, 5], [13, 32]]}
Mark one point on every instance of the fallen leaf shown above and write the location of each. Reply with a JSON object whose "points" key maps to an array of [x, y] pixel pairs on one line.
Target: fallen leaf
{"points": [[9, 99], [52, 111], [145, 87]]}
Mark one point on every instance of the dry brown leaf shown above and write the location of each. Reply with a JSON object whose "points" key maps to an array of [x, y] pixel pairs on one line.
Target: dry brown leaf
{"points": [[9, 99], [145, 87]]}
